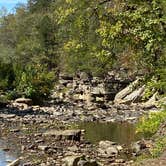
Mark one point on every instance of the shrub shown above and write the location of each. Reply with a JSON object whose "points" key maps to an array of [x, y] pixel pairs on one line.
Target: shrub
{"points": [[35, 82], [150, 124]]}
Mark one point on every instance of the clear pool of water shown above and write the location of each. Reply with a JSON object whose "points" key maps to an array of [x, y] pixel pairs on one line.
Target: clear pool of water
{"points": [[5, 156]]}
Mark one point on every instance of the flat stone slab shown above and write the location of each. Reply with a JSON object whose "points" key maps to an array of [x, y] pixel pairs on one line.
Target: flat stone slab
{"points": [[7, 116], [24, 101], [64, 134]]}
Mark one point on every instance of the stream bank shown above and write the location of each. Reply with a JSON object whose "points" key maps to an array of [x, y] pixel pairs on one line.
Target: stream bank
{"points": [[46, 136]]}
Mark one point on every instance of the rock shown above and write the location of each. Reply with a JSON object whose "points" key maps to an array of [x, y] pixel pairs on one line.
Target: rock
{"points": [[73, 148], [100, 89], [78, 161], [119, 148], [43, 147], [131, 118], [15, 162], [109, 119], [24, 101], [28, 164], [87, 163], [20, 106], [111, 151], [119, 96], [82, 163], [138, 146], [83, 76], [107, 149], [99, 99], [106, 144], [14, 130], [119, 161], [6, 116], [71, 160], [74, 135]]}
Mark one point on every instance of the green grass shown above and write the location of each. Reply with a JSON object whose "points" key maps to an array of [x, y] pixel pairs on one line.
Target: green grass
{"points": [[150, 124], [159, 147]]}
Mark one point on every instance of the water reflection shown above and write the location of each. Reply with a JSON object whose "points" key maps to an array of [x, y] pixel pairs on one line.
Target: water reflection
{"points": [[123, 133], [5, 157]]}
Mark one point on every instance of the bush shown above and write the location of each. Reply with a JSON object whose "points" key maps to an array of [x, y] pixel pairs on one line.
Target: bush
{"points": [[150, 124], [6, 76], [34, 82]]}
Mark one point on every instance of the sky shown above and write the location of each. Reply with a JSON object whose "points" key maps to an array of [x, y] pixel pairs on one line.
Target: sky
{"points": [[10, 4]]}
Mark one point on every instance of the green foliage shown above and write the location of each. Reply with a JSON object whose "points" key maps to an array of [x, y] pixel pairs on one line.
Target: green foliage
{"points": [[80, 35], [159, 147], [156, 83], [160, 84], [6, 76], [137, 27], [111, 33], [155, 151], [34, 82], [150, 124]]}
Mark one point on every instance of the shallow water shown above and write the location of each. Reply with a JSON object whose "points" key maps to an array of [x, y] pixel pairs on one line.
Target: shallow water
{"points": [[122, 133], [5, 156]]}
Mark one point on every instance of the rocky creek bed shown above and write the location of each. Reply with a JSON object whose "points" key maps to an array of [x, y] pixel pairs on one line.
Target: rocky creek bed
{"points": [[81, 125], [44, 137]]}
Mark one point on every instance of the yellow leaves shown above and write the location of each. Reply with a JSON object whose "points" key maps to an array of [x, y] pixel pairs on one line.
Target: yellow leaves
{"points": [[110, 31], [103, 30], [115, 29], [69, 1], [63, 13], [73, 44], [103, 55]]}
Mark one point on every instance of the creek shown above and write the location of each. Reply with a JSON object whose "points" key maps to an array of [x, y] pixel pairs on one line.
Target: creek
{"points": [[6, 156], [122, 133]]}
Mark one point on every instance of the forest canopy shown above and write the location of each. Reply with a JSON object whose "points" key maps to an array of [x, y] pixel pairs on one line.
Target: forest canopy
{"points": [[44, 38]]}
